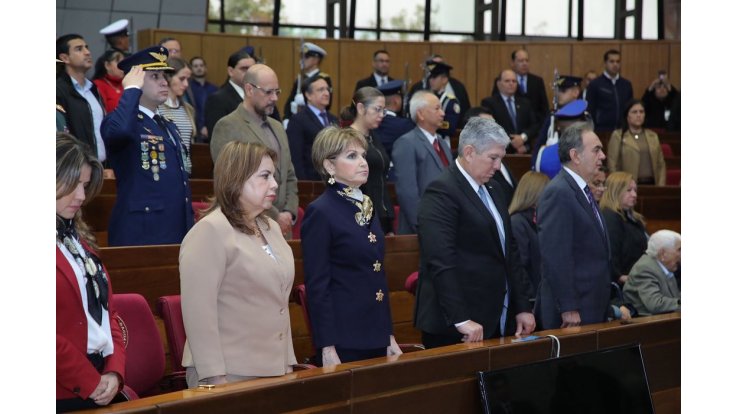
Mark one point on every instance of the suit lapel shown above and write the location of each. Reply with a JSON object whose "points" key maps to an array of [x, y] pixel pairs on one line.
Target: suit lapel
{"points": [[506, 224], [474, 199], [63, 266], [429, 147], [255, 129], [583, 201]]}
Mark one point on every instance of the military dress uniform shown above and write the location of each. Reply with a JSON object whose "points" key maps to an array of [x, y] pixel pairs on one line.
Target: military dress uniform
{"points": [[154, 199], [451, 108], [347, 291]]}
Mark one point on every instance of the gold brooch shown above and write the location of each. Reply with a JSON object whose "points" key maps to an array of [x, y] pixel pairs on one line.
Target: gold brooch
{"points": [[377, 266], [371, 237], [379, 295]]}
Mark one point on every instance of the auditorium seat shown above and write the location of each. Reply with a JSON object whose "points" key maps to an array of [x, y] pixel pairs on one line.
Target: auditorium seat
{"points": [[667, 150], [673, 177], [199, 207], [411, 283], [144, 361], [169, 309], [296, 231], [396, 219]]}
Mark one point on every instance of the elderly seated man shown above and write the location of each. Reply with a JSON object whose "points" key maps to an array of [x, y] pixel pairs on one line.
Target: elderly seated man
{"points": [[652, 287]]}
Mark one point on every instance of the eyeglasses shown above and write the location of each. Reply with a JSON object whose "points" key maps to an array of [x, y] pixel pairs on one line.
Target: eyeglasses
{"points": [[378, 109], [269, 92]]}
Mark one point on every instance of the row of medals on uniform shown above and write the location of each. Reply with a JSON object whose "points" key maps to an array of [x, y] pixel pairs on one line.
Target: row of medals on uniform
{"points": [[152, 155]]}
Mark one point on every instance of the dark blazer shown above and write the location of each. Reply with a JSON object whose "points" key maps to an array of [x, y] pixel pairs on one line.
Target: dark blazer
{"points": [[524, 225], [75, 375], [378, 165], [416, 164], [301, 130], [507, 188], [343, 287], [77, 112], [606, 101], [575, 255], [536, 93], [294, 91], [369, 81], [147, 210], [219, 104], [463, 270], [391, 128], [628, 240], [526, 119]]}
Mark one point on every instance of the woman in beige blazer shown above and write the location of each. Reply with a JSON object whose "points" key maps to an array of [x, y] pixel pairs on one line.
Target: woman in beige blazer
{"points": [[236, 274], [636, 150]]}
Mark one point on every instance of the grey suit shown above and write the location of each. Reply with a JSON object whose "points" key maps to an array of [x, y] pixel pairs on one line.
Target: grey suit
{"points": [[416, 164], [575, 256], [238, 126], [650, 290]]}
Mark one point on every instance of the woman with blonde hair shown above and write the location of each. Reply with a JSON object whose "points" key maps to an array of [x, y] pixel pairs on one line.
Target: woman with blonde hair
{"points": [[236, 274], [343, 250], [523, 211], [626, 228], [90, 355], [635, 149]]}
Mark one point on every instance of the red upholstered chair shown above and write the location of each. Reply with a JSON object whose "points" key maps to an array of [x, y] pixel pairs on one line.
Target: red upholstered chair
{"points": [[411, 283], [666, 150], [397, 209], [296, 230], [199, 207], [673, 177], [169, 309], [145, 360]]}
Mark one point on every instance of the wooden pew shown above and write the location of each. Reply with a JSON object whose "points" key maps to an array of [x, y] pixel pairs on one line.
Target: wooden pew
{"points": [[153, 271], [202, 164], [437, 380]]}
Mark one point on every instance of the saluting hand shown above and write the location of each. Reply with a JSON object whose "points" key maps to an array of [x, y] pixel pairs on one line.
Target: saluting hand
{"points": [[135, 77]]}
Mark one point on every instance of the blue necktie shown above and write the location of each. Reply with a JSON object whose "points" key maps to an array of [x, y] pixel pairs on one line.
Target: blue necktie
{"points": [[593, 205], [325, 121], [502, 236], [512, 111], [522, 84]]}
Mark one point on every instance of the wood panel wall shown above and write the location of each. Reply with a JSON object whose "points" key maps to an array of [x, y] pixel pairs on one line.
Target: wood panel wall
{"points": [[476, 64]]}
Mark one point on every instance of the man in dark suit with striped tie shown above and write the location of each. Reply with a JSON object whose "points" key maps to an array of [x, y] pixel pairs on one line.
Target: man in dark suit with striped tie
{"points": [[304, 126], [514, 113], [381, 65], [471, 283], [575, 285]]}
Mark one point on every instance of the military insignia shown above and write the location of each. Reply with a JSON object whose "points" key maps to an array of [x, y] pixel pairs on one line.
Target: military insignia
{"points": [[60, 108], [145, 165], [159, 56], [156, 177], [372, 237], [163, 164], [377, 266], [148, 130], [324, 74], [379, 295], [161, 147], [140, 116], [154, 169], [456, 107], [154, 161]]}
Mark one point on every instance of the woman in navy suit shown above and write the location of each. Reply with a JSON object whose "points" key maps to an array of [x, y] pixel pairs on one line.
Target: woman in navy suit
{"points": [[343, 249], [90, 355]]}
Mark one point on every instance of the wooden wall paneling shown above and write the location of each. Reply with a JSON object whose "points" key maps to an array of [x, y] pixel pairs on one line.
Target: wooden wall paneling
{"points": [[675, 65], [276, 54], [464, 60], [144, 37], [216, 49], [641, 61], [544, 58], [589, 56], [493, 57], [191, 42], [356, 59], [409, 55]]}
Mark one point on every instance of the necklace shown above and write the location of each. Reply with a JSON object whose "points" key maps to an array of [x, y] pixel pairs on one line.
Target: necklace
{"points": [[635, 134]]}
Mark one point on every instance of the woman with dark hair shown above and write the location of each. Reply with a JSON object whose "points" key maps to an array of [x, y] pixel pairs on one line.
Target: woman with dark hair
{"points": [[90, 355], [367, 109], [523, 211], [236, 272], [109, 79], [179, 112], [343, 250], [635, 149], [626, 228]]}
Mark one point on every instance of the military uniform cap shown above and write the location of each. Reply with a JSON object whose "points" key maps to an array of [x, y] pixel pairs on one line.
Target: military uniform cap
{"points": [[438, 68], [391, 87], [567, 82], [572, 110], [117, 28], [153, 58], [310, 49]]}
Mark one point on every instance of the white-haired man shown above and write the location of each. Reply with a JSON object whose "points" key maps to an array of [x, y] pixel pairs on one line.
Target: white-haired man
{"points": [[652, 287]]}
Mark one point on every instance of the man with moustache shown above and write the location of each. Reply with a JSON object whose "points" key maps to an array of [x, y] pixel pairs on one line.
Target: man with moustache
{"points": [[250, 122], [575, 285], [471, 283], [154, 200]]}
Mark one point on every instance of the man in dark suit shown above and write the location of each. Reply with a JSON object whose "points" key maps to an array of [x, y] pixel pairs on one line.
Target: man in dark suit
{"points": [[531, 86], [608, 94], [575, 286], [154, 198], [514, 113], [381, 65], [471, 283], [306, 124], [230, 95]]}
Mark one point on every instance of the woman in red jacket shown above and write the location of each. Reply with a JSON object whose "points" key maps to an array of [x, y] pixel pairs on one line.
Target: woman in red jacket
{"points": [[109, 79], [90, 355]]}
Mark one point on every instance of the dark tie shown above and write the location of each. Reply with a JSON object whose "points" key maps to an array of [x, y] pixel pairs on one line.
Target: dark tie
{"points": [[512, 111], [593, 205], [440, 153], [522, 84], [162, 124], [325, 121]]}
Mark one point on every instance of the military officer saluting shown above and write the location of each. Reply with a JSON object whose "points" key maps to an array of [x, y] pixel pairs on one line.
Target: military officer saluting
{"points": [[153, 203], [117, 36], [438, 76]]}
